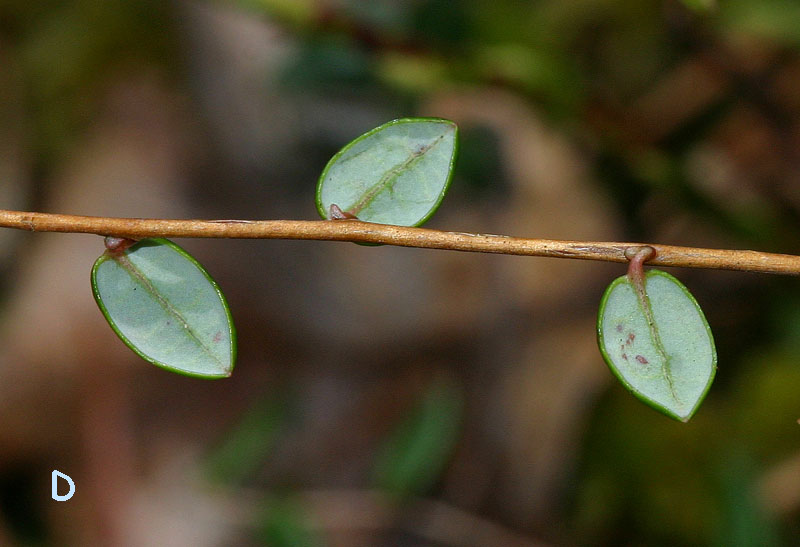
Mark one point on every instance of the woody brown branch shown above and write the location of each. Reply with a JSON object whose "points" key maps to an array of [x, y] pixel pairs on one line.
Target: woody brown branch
{"points": [[365, 232]]}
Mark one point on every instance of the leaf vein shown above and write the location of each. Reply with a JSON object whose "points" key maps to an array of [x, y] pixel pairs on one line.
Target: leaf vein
{"points": [[391, 175], [141, 278]]}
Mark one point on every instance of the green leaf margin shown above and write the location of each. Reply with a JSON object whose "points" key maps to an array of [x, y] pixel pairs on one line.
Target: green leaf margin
{"points": [[451, 167], [623, 381], [163, 241]]}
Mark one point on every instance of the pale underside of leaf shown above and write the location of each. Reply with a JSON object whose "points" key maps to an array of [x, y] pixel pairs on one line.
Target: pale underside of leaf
{"points": [[390, 177], [394, 174], [169, 309], [660, 347], [166, 308]]}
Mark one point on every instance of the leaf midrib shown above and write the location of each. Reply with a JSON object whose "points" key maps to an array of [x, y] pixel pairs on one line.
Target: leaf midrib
{"points": [[137, 275], [390, 176], [655, 336]]}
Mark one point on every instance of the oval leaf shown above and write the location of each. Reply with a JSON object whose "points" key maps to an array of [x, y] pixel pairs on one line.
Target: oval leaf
{"points": [[396, 174], [166, 308], [664, 355]]}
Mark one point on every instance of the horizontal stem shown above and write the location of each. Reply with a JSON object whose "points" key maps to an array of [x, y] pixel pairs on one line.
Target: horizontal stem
{"points": [[366, 232]]}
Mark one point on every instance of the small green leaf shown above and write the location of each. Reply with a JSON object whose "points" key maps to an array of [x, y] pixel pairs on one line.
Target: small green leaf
{"points": [[166, 308], [397, 173], [660, 349]]}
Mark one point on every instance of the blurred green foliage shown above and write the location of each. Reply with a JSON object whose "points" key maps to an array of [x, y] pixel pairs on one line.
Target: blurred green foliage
{"points": [[66, 51], [744, 521], [777, 20], [283, 523], [246, 447], [412, 458]]}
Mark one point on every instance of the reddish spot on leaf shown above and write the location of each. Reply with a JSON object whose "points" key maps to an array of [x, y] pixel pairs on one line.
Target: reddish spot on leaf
{"points": [[631, 338], [641, 359], [217, 337], [619, 327], [625, 356]]}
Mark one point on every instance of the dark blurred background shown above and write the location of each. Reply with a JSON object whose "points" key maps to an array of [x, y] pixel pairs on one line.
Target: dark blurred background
{"points": [[388, 396]]}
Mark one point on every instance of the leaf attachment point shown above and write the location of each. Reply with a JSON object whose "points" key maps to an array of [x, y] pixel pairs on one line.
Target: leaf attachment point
{"points": [[655, 339], [397, 173], [165, 307]]}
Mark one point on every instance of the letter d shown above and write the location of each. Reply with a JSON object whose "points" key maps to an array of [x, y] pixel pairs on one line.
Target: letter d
{"points": [[69, 494]]}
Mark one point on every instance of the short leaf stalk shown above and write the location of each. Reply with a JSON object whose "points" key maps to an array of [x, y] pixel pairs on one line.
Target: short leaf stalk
{"points": [[117, 245], [638, 256]]}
